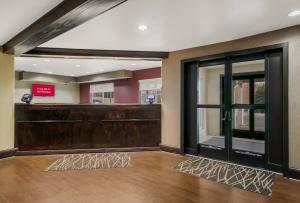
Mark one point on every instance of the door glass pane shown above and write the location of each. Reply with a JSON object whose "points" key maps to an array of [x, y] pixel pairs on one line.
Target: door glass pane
{"points": [[240, 119], [240, 92], [248, 126], [242, 138], [259, 120], [249, 145], [210, 83], [210, 127], [259, 91]]}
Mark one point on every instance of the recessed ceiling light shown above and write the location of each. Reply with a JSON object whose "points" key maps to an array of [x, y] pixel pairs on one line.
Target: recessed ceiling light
{"points": [[34, 64], [294, 13], [46, 60], [50, 72], [143, 27], [77, 65], [87, 72], [133, 64], [72, 75]]}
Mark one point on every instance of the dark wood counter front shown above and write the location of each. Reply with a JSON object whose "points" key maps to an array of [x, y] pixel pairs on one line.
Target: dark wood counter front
{"points": [[69, 127]]}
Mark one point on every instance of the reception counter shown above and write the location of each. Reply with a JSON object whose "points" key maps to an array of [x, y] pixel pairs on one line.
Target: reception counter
{"points": [[46, 129]]}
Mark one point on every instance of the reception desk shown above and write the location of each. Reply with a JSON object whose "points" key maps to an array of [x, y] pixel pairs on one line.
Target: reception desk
{"points": [[45, 129]]}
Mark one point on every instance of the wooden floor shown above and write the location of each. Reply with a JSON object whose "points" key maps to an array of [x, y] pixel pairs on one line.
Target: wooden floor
{"points": [[149, 179]]}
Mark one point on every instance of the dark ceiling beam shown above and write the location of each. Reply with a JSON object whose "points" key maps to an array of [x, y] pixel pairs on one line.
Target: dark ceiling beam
{"points": [[44, 51], [64, 17]]}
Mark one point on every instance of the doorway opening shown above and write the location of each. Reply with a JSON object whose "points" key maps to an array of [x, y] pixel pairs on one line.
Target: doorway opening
{"points": [[234, 107]]}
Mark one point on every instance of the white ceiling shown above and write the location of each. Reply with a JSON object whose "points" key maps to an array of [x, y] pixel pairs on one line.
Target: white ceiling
{"points": [[16, 15], [178, 24], [69, 67], [172, 25]]}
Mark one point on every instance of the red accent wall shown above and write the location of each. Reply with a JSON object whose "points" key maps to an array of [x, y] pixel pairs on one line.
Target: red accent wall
{"points": [[84, 93], [126, 90]]}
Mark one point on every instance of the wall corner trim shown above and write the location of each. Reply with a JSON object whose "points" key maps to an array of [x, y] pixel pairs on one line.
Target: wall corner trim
{"points": [[8, 153], [170, 149], [293, 173]]}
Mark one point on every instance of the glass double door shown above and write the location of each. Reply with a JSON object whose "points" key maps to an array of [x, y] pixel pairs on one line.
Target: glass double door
{"points": [[231, 111]]}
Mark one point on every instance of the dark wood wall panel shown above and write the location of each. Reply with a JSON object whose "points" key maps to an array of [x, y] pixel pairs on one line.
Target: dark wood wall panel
{"points": [[60, 127]]}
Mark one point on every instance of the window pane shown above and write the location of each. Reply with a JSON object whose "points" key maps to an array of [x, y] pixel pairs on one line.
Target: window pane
{"points": [[240, 119], [150, 90], [240, 91], [210, 132], [259, 91], [102, 93]]}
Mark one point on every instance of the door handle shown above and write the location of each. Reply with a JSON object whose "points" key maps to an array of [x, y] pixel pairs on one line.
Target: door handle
{"points": [[229, 115], [225, 117]]}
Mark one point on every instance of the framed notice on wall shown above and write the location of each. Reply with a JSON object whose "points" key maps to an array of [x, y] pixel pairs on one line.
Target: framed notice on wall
{"points": [[41, 90]]}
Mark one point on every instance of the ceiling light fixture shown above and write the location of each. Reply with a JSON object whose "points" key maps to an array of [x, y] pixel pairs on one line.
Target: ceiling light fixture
{"points": [[77, 65], [133, 64], [50, 72], [87, 72], [34, 64], [294, 13], [46, 60], [143, 27]]}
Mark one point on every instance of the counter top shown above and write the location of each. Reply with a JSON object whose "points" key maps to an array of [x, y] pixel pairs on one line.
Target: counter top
{"points": [[68, 104]]}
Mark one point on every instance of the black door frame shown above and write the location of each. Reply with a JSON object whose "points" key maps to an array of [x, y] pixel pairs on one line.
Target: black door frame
{"points": [[186, 63], [228, 153]]}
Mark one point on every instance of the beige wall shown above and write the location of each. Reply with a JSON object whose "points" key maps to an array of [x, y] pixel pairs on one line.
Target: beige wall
{"points": [[171, 83], [7, 83], [64, 93]]}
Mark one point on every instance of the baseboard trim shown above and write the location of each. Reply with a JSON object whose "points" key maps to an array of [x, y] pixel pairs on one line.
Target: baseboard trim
{"points": [[293, 173], [166, 148], [7, 153], [78, 151]]}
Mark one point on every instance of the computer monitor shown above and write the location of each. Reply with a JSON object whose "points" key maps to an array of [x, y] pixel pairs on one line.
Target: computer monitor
{"points": [[27, 98]]}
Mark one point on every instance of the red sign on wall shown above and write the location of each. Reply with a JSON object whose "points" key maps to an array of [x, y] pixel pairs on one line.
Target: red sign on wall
{"points": [[41, 90]]}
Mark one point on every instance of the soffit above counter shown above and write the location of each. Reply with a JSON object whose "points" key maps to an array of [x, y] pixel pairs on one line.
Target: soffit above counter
{"points": [[49, 78]]}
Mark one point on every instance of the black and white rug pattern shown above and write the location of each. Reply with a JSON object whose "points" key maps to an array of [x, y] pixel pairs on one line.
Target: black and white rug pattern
{"points": [[90, 161], [251, 179]]}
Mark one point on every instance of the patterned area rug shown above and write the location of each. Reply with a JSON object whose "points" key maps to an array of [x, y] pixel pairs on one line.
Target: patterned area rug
{"points": [[90, 161], [251, 179]]}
